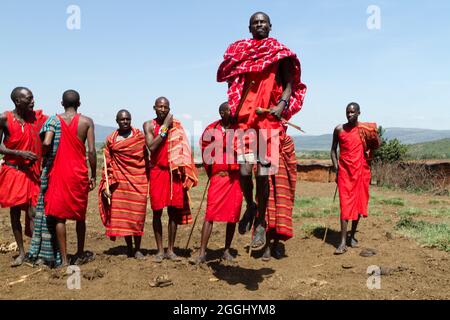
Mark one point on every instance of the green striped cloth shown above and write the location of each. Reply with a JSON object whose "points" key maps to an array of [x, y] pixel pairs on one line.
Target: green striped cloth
{"points": [[44, 245]]}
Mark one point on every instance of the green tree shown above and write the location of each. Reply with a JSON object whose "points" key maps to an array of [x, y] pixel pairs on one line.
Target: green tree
{"points": [[391, 150]]}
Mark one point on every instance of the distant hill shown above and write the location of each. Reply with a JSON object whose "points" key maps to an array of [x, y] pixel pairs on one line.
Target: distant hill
{"points": [[412, 136], [405, 135], [415, 137], [101, 132], [439, 149]]}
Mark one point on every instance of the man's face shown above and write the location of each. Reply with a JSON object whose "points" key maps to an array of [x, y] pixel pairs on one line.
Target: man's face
{"points": [[225, 113], [352, 114], [260, 26], [25, 101], [124, 121], [162, 109]]}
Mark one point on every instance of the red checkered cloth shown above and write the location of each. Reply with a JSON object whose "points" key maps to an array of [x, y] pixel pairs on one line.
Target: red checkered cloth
{"points": [[252, 55]]}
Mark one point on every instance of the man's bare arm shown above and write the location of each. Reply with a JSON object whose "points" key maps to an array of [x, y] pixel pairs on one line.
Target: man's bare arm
{"points": [[151, 140], [286, 81], [334, 145], [47, 142], [28, 155], [92, 154]]}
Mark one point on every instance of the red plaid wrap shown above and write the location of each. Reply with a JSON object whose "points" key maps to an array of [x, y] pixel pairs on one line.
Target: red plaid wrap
{"points": [[252, 55]]}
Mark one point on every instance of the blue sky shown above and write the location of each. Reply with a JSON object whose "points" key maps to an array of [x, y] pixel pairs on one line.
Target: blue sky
{"points": [[129, 52]]}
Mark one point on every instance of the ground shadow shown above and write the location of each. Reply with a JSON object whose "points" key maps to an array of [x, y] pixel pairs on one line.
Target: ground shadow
{"points": [[122, 251], [333, 236], [233, 275], [185, 253], [218, 253]]}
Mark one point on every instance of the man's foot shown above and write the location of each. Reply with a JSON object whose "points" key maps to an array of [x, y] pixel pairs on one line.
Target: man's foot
{"points": [[159, 257], [277, 252], [139, 255], [130, 254], [39, 262], [267, 255], [246, 222], [259, 238], [62, 267], [198, 260], [227, 256], [352, 242], [341, 249], [172, 256], [18, 261], [83, 258]]}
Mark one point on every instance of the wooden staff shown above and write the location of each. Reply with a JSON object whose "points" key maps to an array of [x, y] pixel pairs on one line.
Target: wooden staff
{"points": [[106, 177], [262, 110], [24, 277], [198, 211]]}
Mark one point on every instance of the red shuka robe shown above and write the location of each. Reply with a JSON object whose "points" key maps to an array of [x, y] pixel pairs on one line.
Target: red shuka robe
{"points": [[20, 187], [353, 175], [68, 183], [128, 183], [161, 193], [224, 193], [282, 192]]}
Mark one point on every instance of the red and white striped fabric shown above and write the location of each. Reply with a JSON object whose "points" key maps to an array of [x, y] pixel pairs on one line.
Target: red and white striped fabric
{"points": [[251, 55]]}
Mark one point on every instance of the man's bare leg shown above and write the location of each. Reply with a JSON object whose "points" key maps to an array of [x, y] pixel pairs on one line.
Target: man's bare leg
{"points": [[262, 194], [353, 241], [31, 214], [342, 246], [137, 248], [61, 237], [231, 228], [81, 236], [246, 183], [206, 234], [129, 242], [172, 233], [157, 230], [17, 231]]}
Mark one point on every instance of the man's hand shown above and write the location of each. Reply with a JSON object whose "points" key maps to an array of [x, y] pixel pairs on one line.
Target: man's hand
{"points": [[92, 183], [27, 155], [106, 194], [168, 120], [278, 110]]}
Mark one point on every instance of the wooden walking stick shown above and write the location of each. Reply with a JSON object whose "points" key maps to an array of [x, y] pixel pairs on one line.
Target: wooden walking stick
{"points": [[106, 177], [334, 199], [198, 211], [262, 110]]}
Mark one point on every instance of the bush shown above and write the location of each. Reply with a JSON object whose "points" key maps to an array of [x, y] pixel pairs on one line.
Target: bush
{"points": [[415, 177], [390, 150]]}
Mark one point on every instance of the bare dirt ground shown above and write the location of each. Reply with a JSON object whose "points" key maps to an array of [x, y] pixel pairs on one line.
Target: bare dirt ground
{"points": [[309, 269]]}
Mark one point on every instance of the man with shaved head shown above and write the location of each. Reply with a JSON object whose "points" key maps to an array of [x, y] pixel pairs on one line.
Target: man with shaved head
{"points": [[21, 164], [264, 87], [172, 174], [356, 141], [224, 193], [123, 200], [68, 181]]}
